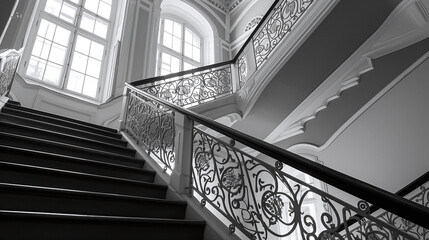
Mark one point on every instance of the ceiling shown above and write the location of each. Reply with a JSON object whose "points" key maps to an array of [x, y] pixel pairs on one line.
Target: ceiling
{"points": [[225, 5]]}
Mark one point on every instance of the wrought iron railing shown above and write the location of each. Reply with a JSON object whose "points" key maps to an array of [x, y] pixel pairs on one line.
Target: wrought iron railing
{"points": [[192, 87], [8, 64], [265, 199], [152, 125]]}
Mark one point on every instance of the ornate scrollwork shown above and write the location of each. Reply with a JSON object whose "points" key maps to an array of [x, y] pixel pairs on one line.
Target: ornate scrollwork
{"points": [[197, 88], [152, 125], [10, 63], [263, 201], [242, 70], [282, 19]]}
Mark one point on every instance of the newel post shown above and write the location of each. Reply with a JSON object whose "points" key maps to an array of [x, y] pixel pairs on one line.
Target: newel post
{"points": [[124, 108], [180, 179]]}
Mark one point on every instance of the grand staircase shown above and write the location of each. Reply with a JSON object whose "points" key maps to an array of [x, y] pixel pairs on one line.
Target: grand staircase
{"points": [[65, 179]]}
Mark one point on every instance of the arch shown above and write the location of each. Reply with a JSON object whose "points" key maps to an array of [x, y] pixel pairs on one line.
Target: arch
{"points": [[196, 19]]}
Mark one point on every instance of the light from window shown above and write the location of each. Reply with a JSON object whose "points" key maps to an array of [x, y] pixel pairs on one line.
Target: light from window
{"points": [[179, 49]]}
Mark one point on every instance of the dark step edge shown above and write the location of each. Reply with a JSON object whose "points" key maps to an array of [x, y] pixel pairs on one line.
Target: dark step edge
{"points": [[62, 117], [79, 174], [14, 102], [74, 147], [36, 153], [72, 137], [7, 115], [101, 131], [104, 218], [81, 193]]}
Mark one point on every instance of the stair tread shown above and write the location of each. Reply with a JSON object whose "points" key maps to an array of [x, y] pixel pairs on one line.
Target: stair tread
{"points": [[31, 128], [14, 111], [61, 117], [35, 153], [71, 146], [87, 175], [99, 217], [74, 192], [115, 139]]}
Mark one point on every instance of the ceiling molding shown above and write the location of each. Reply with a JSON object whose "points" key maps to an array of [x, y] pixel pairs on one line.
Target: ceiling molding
{"points": [[225, 6]]}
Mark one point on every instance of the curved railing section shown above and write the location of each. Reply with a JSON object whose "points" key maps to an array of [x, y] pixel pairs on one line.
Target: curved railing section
{"points": [[192, 87], [268, 198], [9, 60]]}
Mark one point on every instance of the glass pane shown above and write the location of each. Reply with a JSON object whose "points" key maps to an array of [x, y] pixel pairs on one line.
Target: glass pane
{"points": [[83, 45], [107, 1], [188, 35], [100, 28], [104, 10], [166, 58], [36, 68], [177, 44], [58, 54], [53, 7], [41, 48], [187, 66], [68, 12], [168, 26], [87, 22], [75, 1], [79, 62], [188, 50], [53, 73], [96, 51], [94, 68], [168, 40], [196, 41], [196, 54], [177, 30], [175, 64], [46, 29], [91, 5], [62, 36], [75, 82], [90, 86]]}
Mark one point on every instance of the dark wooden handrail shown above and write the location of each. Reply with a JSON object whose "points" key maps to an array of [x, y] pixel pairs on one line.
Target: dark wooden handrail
{"points": [[402, 193], [375, 195], [200, 69]]}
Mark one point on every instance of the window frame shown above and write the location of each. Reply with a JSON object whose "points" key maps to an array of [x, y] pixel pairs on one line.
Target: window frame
{"points": [[75, 31], [181, 56]]}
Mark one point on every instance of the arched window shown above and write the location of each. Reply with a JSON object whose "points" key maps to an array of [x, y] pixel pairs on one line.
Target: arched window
{"points": [[68, 45], [179, 47]]}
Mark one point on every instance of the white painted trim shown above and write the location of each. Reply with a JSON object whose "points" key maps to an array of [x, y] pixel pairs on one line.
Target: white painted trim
{"points": [[347, 75], [242, 14], [223, 23]]}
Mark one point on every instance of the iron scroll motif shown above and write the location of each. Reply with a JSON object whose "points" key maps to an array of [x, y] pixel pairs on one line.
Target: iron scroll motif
{"points": [[242, 70], [264, 201], [7, 72], [194, 89], [151, 124], [281, 21]]}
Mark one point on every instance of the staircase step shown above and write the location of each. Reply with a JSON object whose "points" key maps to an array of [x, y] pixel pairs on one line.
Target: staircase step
{"points": [[63, 138], [13, 102], [8, 118], [41, 199], [61, 122], [61, 117], [14, 140], [49, 177], [58, 161], [38, 225]]}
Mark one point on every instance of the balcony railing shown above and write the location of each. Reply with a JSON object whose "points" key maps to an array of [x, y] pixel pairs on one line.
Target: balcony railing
{"points": [[8, 63], [192, 87], [264, 199]]}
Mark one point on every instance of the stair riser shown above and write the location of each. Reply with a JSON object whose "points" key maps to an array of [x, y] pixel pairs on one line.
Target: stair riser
{"points": [[61, 130], [23, 131], [61, 117], [63, 203], [24, 176], [31, 229], [77, 166], [65, 150], [55, 121]]}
